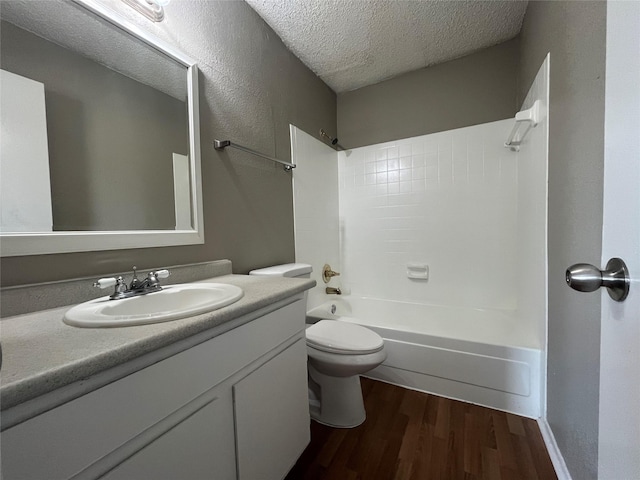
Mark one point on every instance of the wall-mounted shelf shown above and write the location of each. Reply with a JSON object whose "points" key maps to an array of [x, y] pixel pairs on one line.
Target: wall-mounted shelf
{"points": [[525, 121], [222, 144]]}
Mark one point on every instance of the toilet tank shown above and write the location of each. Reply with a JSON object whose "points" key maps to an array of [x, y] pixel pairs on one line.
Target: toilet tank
{"points": [[293, 270]]}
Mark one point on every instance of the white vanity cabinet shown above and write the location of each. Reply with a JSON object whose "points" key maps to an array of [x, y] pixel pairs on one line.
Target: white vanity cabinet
{"points": [[234, 406]]}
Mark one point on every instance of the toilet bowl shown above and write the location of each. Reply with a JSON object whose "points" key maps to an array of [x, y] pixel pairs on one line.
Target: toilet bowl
{"points": [[338, 353]]}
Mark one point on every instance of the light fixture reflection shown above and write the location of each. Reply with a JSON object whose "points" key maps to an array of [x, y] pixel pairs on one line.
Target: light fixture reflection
{"points": [[152, 9]]}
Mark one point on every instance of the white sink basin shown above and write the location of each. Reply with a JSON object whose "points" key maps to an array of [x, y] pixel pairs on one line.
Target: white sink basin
{"points": [[172, 303]]}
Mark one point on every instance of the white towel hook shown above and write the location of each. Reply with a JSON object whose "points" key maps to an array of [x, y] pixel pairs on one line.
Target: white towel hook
{"points": [[530, 117]]}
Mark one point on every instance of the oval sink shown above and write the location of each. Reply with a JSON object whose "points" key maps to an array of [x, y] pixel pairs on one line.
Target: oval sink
{"points": [[171, 303]]}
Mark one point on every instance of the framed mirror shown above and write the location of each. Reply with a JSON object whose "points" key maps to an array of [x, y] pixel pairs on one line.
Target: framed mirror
{"points": [[100, 133]]}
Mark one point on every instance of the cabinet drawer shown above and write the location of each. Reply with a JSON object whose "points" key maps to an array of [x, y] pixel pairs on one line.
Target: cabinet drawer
{"points": [[67, 439]]}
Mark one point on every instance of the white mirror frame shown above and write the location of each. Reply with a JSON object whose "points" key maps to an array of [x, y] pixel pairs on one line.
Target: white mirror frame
{"points": [[38, 243]]}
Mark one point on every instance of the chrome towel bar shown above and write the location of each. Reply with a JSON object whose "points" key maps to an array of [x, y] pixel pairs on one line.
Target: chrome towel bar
{"points": [[530, 117], [222, 144]]}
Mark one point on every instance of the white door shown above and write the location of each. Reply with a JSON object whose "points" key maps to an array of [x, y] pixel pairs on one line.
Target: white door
{"points": [[619, 436]]}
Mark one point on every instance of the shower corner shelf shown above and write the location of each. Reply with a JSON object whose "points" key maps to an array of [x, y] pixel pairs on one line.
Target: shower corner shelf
{"points": [[530, 117]]}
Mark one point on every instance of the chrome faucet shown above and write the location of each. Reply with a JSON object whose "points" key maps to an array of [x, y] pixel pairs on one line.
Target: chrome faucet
{"points": [[333, 291], [149, 284], [136, 287]]}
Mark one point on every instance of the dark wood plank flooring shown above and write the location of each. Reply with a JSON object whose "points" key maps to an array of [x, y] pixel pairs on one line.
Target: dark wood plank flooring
{"points": [[410, 435]]}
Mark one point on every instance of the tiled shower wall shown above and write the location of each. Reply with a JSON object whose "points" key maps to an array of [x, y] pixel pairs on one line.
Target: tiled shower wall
{"points": [[448, 201]]}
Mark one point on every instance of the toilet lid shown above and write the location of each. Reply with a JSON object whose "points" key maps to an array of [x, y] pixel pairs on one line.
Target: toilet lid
{"points": [[341, 337]]}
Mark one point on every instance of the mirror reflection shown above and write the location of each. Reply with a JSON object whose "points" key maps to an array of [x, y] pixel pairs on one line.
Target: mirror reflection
{"points": [[94, 127]]}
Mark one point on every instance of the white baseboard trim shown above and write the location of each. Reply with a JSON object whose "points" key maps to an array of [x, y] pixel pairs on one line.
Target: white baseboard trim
{"points": [[554, 452]]}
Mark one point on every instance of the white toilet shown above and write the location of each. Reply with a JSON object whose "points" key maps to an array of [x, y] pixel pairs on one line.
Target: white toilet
{"points": [[338, 353]]}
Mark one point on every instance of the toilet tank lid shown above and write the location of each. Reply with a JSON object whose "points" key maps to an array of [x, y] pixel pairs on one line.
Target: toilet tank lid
{"points": [[286, 270]]}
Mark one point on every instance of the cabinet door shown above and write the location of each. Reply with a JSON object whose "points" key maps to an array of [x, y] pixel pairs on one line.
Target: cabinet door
{"points": [[199, 448], [272, 415]]}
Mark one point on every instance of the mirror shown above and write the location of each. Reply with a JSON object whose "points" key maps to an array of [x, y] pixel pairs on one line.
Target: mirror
{"points": [[100, 133]]}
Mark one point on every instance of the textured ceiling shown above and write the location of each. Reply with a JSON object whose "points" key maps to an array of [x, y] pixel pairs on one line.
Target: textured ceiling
{"points": [[353, 43]]}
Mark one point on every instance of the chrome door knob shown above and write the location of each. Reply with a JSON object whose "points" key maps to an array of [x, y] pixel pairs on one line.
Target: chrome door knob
{"points": [[587, 278]]}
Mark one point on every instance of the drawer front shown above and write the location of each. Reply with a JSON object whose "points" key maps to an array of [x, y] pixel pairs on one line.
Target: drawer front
{"points": [[67, 439]]}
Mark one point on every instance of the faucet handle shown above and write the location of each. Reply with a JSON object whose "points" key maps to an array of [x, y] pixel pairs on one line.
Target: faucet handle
{"points": [[105, 283], [118, 292], [153, 278], [163, 273]]}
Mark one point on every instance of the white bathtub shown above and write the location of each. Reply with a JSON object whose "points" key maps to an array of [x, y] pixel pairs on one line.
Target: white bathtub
{"points": [[480, 356]]}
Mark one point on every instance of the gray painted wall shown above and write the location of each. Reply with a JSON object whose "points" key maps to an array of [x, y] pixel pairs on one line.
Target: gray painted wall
{"points": [[574, 33], [111, 138], [251, 88], [471, 90]]}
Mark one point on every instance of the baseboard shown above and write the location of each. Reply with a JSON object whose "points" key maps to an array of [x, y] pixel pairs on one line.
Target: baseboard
{"points": [[554, 452]]}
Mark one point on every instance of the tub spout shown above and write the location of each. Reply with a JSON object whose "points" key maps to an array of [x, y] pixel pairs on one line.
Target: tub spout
{"points": [[333, 291]]}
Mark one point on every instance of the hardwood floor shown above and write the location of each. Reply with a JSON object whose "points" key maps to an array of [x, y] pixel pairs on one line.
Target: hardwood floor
{"points": [[410, 435]]}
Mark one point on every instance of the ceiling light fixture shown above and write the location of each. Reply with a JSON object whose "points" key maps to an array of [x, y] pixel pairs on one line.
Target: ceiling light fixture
{"points": [[152, 9]]}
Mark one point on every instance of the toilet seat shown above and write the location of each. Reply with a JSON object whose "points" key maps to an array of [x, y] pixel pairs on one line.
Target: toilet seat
{"points": [[343, 338]]}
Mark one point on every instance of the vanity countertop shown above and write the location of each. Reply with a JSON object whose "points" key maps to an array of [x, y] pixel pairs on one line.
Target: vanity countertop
{"points": [[42, 354]]}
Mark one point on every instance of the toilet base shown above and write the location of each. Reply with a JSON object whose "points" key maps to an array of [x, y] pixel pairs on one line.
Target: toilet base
{"points": [[341, 403]]}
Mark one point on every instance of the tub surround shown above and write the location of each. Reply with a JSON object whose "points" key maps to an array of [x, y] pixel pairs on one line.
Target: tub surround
{"points": [[44, 357], [472, 214], [447, 200]]}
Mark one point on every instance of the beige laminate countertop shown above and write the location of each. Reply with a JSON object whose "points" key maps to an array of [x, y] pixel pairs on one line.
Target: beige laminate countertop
{"points": [[42, 354]]}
